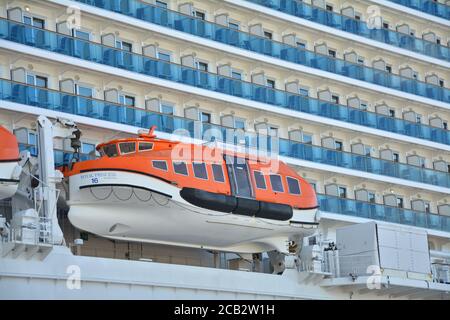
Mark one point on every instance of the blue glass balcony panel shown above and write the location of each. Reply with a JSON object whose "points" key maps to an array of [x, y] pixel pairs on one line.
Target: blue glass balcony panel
{"points": [[358, 27], [380, 212], [103, 110], [61, 157], [428, 6], [208, 30], [97, 53]]}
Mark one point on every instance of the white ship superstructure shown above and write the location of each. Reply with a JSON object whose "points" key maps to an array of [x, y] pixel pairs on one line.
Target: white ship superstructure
{"points": [[354, 96]]}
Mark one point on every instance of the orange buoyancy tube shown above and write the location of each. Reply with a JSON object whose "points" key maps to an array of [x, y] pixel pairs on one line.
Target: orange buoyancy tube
{"points": [[9, 148]]}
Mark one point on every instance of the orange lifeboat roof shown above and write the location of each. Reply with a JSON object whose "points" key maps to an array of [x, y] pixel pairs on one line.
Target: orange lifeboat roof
{"points": [[9, 148], [143, 137], [165, 144]]}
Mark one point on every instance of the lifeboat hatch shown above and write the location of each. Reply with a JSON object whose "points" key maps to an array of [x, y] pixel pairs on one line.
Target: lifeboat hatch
{"points": [[118, 229], [239, 177]]}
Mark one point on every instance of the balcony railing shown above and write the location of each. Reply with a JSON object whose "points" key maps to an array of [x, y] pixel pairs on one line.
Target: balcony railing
{"points": [[90, 51], [381, 212], [103, 110], [428, 6], [360, 28], [61, 157], [208, 30]]}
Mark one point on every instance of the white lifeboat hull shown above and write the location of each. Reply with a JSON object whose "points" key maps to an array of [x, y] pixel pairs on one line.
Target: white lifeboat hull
{"points": [[8, 185], [135, 207]]}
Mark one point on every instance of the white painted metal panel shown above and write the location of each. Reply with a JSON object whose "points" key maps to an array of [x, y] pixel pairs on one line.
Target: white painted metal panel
{"points": [[356, 238], [403, 249], [389, 258], [419, 242], [404, 240], [405, 260], [421, 261], [386, 237]]}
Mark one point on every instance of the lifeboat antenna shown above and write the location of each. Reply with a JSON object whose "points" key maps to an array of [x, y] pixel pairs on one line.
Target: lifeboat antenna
{"points": [[150, 133]]}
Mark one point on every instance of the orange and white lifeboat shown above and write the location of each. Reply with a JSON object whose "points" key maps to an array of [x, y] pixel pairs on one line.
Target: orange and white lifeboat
{"points": [[9, 159], [154, 190]]}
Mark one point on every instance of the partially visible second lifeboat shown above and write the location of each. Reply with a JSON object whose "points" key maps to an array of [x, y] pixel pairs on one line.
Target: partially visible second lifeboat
{"points": [[9, 159], [153, 190]]}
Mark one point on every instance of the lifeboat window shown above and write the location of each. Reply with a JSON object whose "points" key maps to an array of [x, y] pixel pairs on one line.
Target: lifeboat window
{"points": [[293, 185], [127, 147], [160, 164], [180, 168], [259, 180], [275, 181], [110, 150], [200, 170], [145, 146], [218, 172]]}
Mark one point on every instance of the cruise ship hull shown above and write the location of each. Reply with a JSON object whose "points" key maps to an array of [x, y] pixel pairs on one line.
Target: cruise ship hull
{"points": [[135, 207]]}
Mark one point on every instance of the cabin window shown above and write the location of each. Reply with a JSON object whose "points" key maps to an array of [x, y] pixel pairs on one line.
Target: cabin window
{"points": [[35, 22], [87, 148], [200, 170], [145, 146], [203, 66], [234, 26], [268, 35], [293, 185], [275, 181], [110, 150], [180, 168], [260, 181], [200, 15], [160, 164], [218, 172], [127, 147]]}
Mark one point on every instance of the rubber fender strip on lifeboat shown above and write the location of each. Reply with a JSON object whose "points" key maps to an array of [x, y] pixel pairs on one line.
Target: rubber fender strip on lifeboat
{"points": [[304, 222], [124, 185], [9, 180], [10, 160], [236, 205]]}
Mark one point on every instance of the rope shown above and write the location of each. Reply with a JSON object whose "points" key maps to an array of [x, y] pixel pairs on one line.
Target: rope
{"points": [[115, 194], [98, 198], [162, 205], [137, 197]]}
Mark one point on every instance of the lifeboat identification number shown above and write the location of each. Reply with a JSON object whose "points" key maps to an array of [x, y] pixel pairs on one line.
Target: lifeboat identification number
{"points": [[96, 176]]}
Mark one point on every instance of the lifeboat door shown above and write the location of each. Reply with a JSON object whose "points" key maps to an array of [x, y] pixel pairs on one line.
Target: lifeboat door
{"points": [[238, 173]]}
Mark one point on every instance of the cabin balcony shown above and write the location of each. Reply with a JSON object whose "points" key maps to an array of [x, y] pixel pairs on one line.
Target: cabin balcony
{"points": [[223, 84], [357, 27], [137, 117], [14, 31]]}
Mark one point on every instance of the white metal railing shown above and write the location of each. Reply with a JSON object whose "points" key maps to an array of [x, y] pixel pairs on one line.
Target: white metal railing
{"points": [[38, 232]]}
